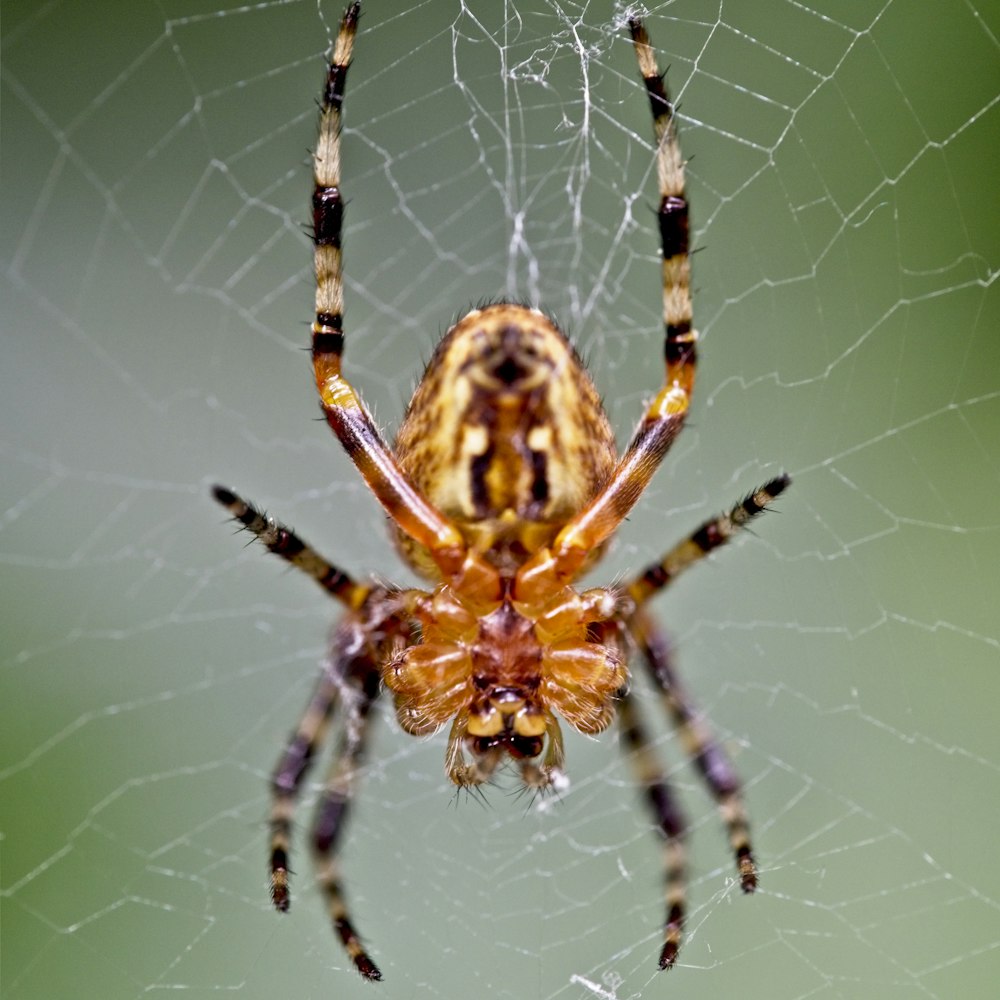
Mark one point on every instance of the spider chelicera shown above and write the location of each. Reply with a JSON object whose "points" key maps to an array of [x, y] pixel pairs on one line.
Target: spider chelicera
{"points": [[503, 487]]}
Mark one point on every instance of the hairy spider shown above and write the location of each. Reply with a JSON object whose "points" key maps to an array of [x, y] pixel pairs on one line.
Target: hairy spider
{"points": [[503, 487]]}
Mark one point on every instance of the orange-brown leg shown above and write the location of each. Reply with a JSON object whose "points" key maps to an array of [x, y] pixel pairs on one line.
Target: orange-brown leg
{"points": [[665, 416], [342, 406]]}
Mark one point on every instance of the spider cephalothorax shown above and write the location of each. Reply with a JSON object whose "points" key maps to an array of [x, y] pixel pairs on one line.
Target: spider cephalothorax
{"points": [[503, 487], [502, 670]]}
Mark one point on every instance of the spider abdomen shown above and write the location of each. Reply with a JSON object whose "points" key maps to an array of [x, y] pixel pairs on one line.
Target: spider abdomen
{"points": [[505, 434]]}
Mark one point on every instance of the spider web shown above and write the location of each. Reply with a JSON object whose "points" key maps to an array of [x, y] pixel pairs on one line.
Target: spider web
{"points": [[156, 280]]}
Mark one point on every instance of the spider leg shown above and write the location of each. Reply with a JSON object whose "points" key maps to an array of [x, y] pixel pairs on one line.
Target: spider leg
{"points": [[283, 542], [333, 809], [710, 535], [665, 416], [667, 816], [288, 776], [352, 678], [343, 408], [708, 756], [679, 338]]}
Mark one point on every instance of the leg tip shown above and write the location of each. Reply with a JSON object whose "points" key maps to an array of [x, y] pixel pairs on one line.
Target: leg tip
{"points": [[748, 874], [368, 969], [224, 496], [669, 955], [280, 896]]}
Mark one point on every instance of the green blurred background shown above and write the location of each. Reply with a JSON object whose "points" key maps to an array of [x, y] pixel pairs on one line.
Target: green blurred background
{"points": [[156, 291]]}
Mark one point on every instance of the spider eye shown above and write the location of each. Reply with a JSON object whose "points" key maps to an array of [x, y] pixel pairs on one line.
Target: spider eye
{"points": [[481, 745], [520, 747]]}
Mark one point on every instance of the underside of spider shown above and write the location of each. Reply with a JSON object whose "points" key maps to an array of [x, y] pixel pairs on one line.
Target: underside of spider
{"points": [[504, 485]]}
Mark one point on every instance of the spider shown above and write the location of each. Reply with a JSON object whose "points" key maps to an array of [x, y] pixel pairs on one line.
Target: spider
{"points": [[503, 487]]}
